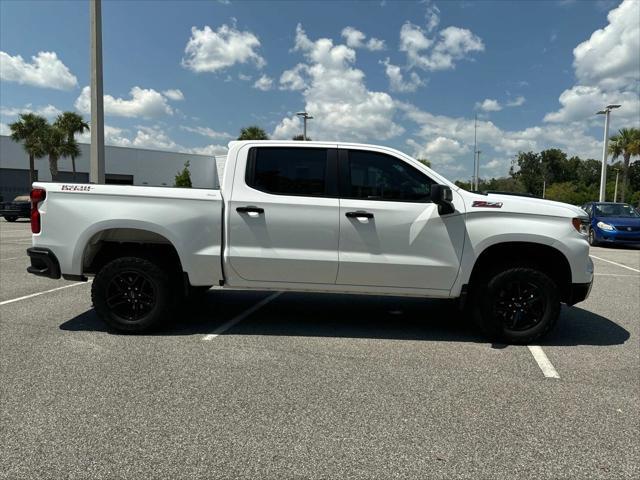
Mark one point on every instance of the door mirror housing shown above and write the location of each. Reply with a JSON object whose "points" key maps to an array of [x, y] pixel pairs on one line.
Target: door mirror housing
{"points": [[442, 196]]}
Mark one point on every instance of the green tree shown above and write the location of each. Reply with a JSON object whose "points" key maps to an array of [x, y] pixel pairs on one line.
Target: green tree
{"points": [[183, 178], [625, 143], [56, 145], [253, 132], [527, 169], [301, 138], [424, 161], [71, 123], [29, 130]]}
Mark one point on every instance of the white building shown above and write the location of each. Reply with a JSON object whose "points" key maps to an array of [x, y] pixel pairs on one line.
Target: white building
{"points": [[123, 165]]}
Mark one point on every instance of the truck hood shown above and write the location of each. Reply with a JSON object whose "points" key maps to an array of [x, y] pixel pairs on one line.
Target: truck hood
{"points": [[527, 205]]}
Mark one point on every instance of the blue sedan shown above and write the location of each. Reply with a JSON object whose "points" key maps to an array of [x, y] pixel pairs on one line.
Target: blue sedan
{"points": [[613, 223]]}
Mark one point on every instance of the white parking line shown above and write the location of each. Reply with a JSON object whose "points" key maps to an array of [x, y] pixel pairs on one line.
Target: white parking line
{"points": [[616, 275], [6, 302], [7, 259], [616, 263], [543, 361], [226, 326]]}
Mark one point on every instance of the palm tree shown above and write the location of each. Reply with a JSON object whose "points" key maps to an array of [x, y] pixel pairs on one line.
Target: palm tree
{"points": [[301, 138], [71, 123], [29, 129], [253, 133], [56, 144], [627, 144]]}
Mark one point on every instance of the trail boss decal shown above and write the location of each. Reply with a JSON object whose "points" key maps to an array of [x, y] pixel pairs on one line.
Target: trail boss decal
{"points": [[484, 204], [76, 188]]}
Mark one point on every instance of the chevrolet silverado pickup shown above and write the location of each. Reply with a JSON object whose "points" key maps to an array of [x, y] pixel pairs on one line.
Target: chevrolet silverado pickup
{"points": [[315, 217]]}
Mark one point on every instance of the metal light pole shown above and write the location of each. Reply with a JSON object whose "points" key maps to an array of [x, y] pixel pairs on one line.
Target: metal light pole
{"points": [[96, 173], [603, 173], [477, 175], [305, 116], [474, 178]]}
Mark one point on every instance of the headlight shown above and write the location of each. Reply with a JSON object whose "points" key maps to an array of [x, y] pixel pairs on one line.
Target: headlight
{"points": [[604, 226]]}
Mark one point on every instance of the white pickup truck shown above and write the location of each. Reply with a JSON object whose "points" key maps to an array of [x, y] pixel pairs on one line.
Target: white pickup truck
{"points": [[315, 217]]}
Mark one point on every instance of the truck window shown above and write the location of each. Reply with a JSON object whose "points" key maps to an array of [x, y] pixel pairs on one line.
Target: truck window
{"points": [[376, 176], [288, 170]]}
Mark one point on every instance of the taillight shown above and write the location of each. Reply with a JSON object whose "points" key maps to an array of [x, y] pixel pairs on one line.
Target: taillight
{"points": [[37, 196]]}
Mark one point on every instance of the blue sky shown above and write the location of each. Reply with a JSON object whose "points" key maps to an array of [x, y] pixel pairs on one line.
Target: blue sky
{"points": [[186, 76]]}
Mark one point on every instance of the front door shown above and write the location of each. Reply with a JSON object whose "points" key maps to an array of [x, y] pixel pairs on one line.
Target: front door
{"points": [[391, 235], [283, 215]]}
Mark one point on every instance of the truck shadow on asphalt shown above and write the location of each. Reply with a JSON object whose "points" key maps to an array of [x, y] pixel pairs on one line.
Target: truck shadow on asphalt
{"points": [[356, 316]]}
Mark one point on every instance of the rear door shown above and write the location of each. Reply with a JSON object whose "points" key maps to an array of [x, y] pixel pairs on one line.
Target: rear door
{"points": [[391, 234], [283, 215]]}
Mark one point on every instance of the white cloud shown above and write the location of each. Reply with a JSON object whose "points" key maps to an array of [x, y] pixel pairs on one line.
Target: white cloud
{"points": [[452, 44], [112, 136], [607, 68], [154, 138], [397, 82], [489, 105], [244, 78], [144, 102], [432, 16], [264, 83], [206, 132], [292, 79], [47, 111], [210, 51], [354, 38], [174, 94], [288, 127], [440, 151], [46, 70], [516, 102], [213, 150], [338, 97], [610, 58], [4, 129]]}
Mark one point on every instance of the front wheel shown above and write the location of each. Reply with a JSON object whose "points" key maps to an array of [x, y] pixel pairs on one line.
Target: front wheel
{"points": [[132, 294], [592, 238], [517, 305]]}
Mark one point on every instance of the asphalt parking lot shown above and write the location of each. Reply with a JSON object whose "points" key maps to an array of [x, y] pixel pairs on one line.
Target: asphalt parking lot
{"points": [[257, 385]]}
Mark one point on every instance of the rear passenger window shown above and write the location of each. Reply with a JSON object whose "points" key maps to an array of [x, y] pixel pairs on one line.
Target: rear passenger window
{"points": [[376, 176], [288, 171]]}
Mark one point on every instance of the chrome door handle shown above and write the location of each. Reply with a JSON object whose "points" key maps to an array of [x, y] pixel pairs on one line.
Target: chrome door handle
{"points": [[359, 214]]}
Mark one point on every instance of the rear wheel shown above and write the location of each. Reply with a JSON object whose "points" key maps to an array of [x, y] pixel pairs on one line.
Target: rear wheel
{"points": [[517, 305], [132, 294], [592, 238], [10, 218]]}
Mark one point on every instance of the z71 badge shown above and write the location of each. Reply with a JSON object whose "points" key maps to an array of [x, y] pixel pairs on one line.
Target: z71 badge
{"points": [[76, 188], [484, 204]]}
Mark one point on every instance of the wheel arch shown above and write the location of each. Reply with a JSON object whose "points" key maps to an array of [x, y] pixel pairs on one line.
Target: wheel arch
{"points": [[543, 257]]}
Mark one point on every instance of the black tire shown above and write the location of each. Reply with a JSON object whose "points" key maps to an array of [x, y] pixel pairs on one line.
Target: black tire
{"points": [[592, 238], [516, 305], [132, 295], [11, 218]]}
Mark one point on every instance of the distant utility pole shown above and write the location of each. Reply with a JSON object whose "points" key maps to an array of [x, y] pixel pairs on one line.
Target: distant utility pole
{"points": [[603, 173], [478, 152], [305, 116], [615, 192], [474, 178], [96, 173]]}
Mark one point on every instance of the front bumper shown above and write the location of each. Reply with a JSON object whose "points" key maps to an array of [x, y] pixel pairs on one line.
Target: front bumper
{"points": [[9, 212], [43, 262], [579, 292], [617, 236]]}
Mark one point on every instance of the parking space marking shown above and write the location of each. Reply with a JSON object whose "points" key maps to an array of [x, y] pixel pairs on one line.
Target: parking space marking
{"points": [[7, 259], [37, 294], [616, 275], [616, 263], [227, 325], [543, 361]]}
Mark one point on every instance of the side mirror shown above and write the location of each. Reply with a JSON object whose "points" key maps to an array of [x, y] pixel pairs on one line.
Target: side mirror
{"points": [[442, 196]]}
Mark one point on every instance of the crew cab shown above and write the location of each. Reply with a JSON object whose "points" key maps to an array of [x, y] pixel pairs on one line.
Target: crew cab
{"points": [[318, 217]]}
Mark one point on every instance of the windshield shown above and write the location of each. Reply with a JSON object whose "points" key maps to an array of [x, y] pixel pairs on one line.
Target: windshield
{"points": [[616, 210]]}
